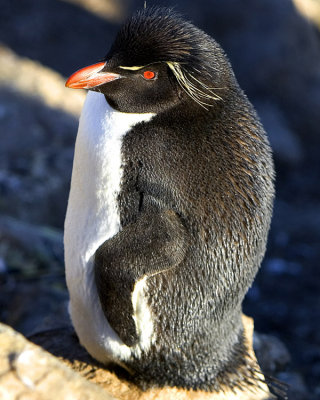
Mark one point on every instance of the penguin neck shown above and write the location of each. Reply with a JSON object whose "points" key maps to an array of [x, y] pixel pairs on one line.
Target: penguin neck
{"points": [[188, 111]]}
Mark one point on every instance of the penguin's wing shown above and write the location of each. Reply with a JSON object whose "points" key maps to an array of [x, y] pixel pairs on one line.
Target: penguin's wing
{"points": [[155, 243]]}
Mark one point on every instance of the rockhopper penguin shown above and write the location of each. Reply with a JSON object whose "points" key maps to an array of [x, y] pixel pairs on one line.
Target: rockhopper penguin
{"points": [[169, 208]]}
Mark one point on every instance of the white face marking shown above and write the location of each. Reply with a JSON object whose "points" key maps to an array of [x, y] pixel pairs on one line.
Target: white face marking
{"points": [[92, 218]]}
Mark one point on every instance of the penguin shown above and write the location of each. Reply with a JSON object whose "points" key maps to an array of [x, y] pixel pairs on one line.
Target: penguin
{"points": [[169, 209]]}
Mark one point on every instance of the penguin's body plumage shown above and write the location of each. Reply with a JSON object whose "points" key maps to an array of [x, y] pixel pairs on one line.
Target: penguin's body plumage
{"points": [[169, 208]]}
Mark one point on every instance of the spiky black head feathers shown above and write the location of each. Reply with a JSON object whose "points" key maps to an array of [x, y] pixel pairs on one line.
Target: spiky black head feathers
{"points": [[158, 34], [162, 35]]}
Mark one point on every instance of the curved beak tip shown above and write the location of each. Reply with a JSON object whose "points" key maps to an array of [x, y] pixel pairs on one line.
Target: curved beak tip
{"points": [[90, 77], [68, 83]]}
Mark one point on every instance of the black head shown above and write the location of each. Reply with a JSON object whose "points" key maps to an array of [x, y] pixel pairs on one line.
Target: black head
{"points": [[157, 61]]}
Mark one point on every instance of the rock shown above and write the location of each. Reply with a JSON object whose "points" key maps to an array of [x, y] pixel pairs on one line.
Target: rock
{"points": [[39, 119], [112, 10], [309, 8], [3, 266], [274, 359], [28, 372], [32, 79], [27, 306], [271, 353], [59, 34], [36, 151], [31, 273], [46, 242], [297, 387], [63, 343]]}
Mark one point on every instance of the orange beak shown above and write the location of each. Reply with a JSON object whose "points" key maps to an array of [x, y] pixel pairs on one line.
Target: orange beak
{"points": [[91, 77]]}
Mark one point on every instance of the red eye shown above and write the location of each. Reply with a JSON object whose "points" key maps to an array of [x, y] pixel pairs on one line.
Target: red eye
{"points": [[149, 74]]}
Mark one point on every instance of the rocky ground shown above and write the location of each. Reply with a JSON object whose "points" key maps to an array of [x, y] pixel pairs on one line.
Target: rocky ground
{"points": [[29, 372], [275, 53]]}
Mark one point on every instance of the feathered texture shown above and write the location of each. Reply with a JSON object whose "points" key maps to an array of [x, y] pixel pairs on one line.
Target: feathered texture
{"points": [[161, 35], [197, 90], [194, 205]]}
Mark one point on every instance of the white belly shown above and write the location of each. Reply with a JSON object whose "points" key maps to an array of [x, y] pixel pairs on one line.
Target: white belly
{"points": [[92, 218]]}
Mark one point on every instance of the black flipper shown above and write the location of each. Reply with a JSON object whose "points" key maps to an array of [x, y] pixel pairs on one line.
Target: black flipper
{"points": [[154, 243]]}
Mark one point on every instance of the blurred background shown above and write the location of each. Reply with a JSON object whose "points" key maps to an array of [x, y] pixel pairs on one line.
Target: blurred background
{"points": [[274, 47]]}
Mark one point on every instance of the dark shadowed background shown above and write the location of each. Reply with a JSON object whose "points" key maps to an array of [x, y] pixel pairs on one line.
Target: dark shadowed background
{"points": [[274, 47]]}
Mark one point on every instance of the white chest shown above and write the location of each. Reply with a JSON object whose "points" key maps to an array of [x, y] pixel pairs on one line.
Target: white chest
{"points": [[93, 217]]}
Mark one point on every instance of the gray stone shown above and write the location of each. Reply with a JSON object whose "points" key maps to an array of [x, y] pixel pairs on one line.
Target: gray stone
{"points": [[271, 353], [28, 372]]}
